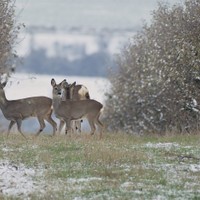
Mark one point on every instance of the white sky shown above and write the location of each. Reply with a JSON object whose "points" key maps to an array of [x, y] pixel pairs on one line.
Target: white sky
{"points": [[86, 13]]}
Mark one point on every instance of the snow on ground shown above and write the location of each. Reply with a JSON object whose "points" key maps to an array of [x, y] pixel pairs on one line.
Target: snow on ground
{"points": [[17, 180], [162, 145], [194, 168], [25, 85]]}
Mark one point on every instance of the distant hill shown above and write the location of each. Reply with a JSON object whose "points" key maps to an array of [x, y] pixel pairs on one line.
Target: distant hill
{"points": [[75, 51]]}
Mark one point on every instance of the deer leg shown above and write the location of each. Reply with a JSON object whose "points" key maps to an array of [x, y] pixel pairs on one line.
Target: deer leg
{"points": [[62, 123], [78, 125], [68, 125], [10, 126], [92, 126], [53, 123], [19, 123], [73, 126], [42, 125], [100, 125]]}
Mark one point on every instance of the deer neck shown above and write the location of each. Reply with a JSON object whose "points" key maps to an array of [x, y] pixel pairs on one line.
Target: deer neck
{"points": [[56, 101], [3, 99], [66, 95]]}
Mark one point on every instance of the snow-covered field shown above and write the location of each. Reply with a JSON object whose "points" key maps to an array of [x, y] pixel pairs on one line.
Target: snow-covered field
{"points": [[173, 171], [17, 180], [27, 85]]}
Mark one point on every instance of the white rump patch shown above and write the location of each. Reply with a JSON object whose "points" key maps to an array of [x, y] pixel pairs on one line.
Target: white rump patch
{"points": [[82, 92]]}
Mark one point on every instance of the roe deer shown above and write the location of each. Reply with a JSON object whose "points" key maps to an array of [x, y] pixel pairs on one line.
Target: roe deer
{"points": [[74, 92], [73, 110], [18, 110]]}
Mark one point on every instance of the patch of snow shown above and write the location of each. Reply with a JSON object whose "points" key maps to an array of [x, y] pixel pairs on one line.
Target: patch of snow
{"points": [[16, 180], [126, 184], [162, 145], [159, 197], [81, 180], [6, 149], [81, 183], [194, 168]]}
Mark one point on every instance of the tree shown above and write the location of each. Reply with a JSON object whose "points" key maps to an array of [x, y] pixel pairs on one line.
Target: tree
{"points": [[154, 88], [9, 30]]}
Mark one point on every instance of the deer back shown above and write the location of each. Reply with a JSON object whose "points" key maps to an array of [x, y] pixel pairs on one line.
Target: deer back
{"points": [[78, 109], [33, 106], [23, 108]]}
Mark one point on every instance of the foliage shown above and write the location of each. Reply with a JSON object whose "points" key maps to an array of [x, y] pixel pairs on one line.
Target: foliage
{"points": [[8, 37], [154, 88]]}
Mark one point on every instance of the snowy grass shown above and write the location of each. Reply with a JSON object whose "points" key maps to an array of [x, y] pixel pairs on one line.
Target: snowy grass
{"points": [[83, 167]]}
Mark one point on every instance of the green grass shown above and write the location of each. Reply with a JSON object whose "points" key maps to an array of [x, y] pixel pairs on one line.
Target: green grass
{"points": [[119, 166]]}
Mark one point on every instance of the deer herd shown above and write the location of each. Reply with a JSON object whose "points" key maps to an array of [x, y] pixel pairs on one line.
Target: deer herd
{"points": [[70, 103]]}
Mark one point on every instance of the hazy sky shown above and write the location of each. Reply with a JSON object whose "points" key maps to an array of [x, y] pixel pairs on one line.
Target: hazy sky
{"points": [[86, 13]]}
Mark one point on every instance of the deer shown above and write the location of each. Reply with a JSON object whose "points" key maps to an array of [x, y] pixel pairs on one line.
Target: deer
{"points": [[69, 110], [17, 110], [80, 92]]}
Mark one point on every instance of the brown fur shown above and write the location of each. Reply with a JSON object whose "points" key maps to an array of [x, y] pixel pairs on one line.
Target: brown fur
{"points": [[73, 110], [18, 110]]}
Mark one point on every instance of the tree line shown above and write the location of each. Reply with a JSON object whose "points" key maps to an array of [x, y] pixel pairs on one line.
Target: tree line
{"points": [[155, 88]]}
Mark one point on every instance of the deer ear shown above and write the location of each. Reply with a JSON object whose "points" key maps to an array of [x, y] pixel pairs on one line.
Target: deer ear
{"points": [[3, 84], [64, 81], [73, 84], [64, 84], [53, 82]]}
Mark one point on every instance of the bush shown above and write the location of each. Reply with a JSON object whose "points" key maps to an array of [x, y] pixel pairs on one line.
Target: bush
{"points": [[9, 30], [154, 88]]}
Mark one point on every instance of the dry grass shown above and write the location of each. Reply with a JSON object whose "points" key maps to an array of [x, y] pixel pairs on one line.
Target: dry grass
{"points": [[119, 166]]}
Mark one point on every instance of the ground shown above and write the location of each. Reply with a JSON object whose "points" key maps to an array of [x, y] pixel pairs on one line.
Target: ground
{"points": [[119, 166]]}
